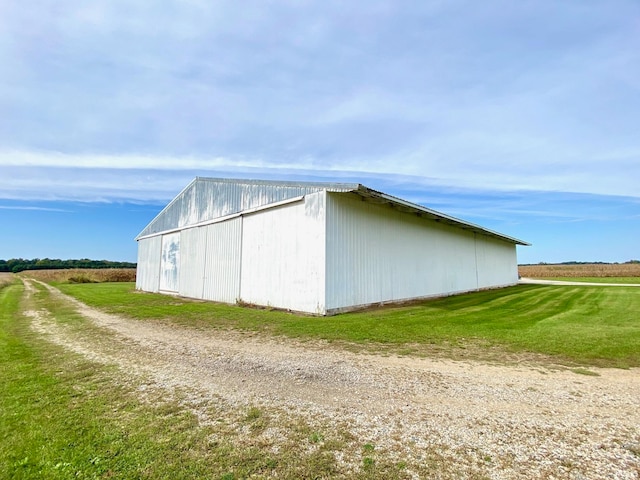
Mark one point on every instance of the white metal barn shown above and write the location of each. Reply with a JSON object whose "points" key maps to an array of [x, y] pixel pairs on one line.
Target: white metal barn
{"points": [[320, 248]]}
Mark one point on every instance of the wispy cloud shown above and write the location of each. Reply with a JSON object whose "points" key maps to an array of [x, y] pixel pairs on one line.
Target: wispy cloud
{"points": [[488, 95], [141, 177], [33, 208]]}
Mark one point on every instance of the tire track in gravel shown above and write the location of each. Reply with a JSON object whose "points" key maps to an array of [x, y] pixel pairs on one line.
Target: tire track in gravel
{"points": [[528, 420]]}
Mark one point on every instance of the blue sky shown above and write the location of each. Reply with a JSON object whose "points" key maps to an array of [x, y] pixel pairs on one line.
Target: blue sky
{"points": [[522, 116]]}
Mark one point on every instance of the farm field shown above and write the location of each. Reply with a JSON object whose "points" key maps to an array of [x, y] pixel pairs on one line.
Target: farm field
{"points": [[597, 273], [164, 387], [83, 275], [5, 278]]}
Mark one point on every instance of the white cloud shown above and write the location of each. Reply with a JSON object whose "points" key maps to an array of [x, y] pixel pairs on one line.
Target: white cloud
{"points": [[33, 208], [496, 95], [29, 175]]}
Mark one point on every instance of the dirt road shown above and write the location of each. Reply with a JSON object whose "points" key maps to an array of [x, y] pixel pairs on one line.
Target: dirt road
{"points": [[523, 421]]}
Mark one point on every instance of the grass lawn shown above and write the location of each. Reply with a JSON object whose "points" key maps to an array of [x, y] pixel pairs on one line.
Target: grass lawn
{"points": [[583, 324]]}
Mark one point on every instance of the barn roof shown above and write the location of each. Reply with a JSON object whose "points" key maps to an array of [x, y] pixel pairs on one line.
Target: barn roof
{"points": [[208, 199]]}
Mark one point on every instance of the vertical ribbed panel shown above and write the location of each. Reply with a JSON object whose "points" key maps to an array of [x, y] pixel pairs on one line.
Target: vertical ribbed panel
{"points": [[283, 256], [148, 270], [222, 263], [497, 262], [193, 243], [376, 253], [170, 263]]}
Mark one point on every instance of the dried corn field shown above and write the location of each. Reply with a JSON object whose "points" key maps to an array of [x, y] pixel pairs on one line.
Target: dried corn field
{"points": [[83, 275], [5, 278], [580, 270]]}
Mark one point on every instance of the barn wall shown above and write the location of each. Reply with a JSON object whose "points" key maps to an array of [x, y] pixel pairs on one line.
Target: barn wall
{"points": [[497, 262], [193, 243], [170, 263], [210, 261], [222, 263], [148, 270], [283, 256], [378, 254], [273, 257]]}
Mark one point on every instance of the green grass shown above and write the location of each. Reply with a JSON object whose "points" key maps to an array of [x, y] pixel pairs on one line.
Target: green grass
{"points": [[618, 280], [64, 417], [583, 324], [61, 418]]}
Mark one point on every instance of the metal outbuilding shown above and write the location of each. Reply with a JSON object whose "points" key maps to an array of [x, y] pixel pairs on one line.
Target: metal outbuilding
{"points": [[319, 248]]}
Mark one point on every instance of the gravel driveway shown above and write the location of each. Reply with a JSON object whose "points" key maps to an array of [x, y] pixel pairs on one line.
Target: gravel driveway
{"points": [[501, 421]]}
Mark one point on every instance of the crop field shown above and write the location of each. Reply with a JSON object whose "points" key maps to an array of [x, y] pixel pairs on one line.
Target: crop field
{"points": [[615, 273], [5, 278], [83, 275]]}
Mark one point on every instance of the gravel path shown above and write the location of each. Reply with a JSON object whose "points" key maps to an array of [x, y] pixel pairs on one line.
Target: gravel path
{"points": [[504, 422]]}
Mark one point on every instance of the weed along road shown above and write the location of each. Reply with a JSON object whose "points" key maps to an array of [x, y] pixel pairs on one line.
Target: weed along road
{"points": [[436, 418]]}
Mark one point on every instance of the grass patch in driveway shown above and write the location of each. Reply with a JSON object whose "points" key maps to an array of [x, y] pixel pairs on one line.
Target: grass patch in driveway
{"points": [[587, 325]]}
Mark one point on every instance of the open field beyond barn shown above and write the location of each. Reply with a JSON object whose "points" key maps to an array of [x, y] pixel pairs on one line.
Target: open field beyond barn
{"points": [[5, 278], [502, 384], [84, 275], [596, 272]]}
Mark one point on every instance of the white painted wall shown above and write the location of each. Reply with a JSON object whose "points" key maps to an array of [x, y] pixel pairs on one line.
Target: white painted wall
{"points": [[222, 265], [283, 256], [193, 243], [170, 263], [148, 270], [497, 262], [198, 262], [378, 254]]}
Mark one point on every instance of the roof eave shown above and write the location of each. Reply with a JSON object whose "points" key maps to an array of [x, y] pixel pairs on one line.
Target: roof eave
{"points": [[175, 199], [437, 216]]}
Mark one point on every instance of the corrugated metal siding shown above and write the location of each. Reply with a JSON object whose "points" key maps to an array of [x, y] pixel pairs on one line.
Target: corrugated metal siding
{"points": [[202, 262], [283, 256], [377, 254], [497, 262], [148, 270], [193, 243], [207, 199], [170, 263], [222, 265]]}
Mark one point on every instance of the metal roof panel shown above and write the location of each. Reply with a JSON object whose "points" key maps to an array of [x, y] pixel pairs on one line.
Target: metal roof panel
{"points": [[206, 199]]}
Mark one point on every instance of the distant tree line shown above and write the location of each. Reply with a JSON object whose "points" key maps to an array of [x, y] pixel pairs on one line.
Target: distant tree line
{"points": [[16, 265]]}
